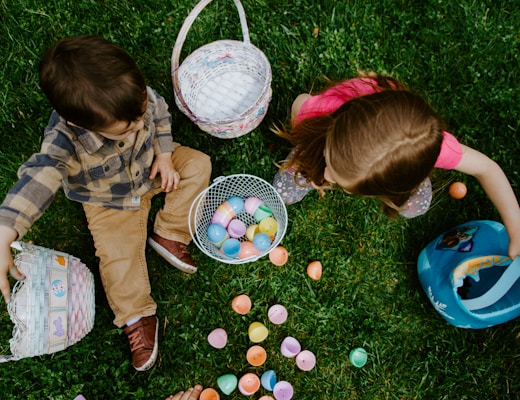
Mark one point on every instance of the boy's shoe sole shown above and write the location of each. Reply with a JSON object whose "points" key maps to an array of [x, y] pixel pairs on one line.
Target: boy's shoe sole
{"points": [[168, 256]]}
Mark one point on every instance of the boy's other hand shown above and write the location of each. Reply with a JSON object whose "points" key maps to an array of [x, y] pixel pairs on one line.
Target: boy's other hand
{"points": [[7, 236], [163, 166]]}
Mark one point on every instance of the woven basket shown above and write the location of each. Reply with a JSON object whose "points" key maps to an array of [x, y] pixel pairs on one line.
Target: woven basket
{"points": [[242, 185], [53, 307], [225, 86]]}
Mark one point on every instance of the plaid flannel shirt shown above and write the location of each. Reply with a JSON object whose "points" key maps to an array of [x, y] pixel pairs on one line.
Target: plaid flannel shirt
{"points": [[90, 168]]}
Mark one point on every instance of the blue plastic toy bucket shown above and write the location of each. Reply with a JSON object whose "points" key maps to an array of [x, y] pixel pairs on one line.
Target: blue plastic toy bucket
{"points": [[468, 277]]}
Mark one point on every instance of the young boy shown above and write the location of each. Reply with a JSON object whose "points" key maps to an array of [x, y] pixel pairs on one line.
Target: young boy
{"points": [[109, 145]]}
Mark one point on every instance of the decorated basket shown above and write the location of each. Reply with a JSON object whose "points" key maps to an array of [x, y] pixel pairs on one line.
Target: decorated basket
{"points": [[243, 186], [468, 277], [224, 86], [53, 307]]}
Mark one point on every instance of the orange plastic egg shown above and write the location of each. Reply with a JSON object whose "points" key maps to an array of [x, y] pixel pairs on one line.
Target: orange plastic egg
{"points": [[314, 270], [241, 304], [458, 190], [209, 394], [249, 384], [256, 355], [279, 255], [247, 249]]}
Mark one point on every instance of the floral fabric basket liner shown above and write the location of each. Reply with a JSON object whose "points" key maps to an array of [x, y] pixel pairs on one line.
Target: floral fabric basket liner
{"points": [[53, 308]]}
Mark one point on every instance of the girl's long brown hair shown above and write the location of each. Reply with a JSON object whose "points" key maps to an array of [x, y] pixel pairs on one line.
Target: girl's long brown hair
{"points": [[383, 144]]}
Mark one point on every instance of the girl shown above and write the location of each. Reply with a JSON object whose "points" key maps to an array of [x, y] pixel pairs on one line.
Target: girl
{"points": [[373, 137]]}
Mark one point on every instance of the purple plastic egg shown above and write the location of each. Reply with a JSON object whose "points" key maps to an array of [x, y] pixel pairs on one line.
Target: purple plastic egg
{"points": [[223, 214], [236, 228], [290, 347], [283, 390]]}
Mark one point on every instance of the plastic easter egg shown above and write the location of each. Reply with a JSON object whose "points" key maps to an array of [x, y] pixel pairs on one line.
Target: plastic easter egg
{"points": [[458, 190], [358, 357], [217, 338], [268, 380], [279, 256], [257, 332], [269, 226], [227, 383], [256, 355], [230, 247], [209, 394], [241, 304], [277, 314], [305, 360], [283, 390], [261, 241], [236, 228], [251, 204], [223, 214], [236, 203], [217, 234], [262, 212], [266, 397], [247, 249], [251, 231], [314, 270], [249, 384], [290, 347]]}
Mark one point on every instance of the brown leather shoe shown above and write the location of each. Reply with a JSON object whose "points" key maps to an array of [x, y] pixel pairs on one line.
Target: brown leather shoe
{"points": [[176, 253], [142, 337]]}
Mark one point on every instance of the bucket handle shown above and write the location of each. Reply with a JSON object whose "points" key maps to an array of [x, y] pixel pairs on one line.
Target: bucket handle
{"points": [[181, 37]]}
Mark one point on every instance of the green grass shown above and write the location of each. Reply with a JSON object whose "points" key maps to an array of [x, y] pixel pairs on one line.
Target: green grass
{"points": [[463, 57]]}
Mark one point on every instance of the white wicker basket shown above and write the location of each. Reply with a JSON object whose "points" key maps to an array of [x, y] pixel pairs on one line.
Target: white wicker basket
{"points": [[242, 185], [225, 86], [53, 307]]}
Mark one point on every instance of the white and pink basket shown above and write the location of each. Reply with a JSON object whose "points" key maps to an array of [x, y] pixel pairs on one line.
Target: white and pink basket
{"points": [[52, 308]]}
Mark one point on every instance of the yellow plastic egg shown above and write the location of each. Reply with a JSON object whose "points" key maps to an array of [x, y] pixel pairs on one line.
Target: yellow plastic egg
{"points": [[279, 256], [268, 226], [241, 304], [314, 270], [257, 332], [251, 231]]}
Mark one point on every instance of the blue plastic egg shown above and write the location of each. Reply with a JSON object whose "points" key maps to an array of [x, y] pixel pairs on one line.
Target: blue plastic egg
{"points": [[217, 234], [230, 247], [268, 380], [261, 241], [237, 203]]}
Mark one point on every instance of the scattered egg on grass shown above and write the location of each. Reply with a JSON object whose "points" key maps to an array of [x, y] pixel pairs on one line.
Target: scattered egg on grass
{"points": [[249, 384], [277, 314], [279, 256], [314, 270], [358, 357], [458, 190], [257, 332], [227, 383], [283, 390], [306, 360], [217, 338], [268, 380], [256, 355], [241, 304], [290, 347], [209, 394]]}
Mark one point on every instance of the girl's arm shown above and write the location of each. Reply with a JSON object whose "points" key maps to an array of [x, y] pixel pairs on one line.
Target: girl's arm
{"points": [[499, 190]]}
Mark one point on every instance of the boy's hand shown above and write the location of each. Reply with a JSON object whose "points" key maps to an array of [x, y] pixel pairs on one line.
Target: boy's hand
{"points": [[7, 236], [163, 166]]}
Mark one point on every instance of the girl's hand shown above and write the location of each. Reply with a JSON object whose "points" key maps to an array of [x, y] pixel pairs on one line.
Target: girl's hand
{"points": [[514, 241], [163, 165], [7, 236], [190, 394]]}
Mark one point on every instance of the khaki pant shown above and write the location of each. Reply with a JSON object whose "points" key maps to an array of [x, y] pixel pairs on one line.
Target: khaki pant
{"points": [[120, 236]]}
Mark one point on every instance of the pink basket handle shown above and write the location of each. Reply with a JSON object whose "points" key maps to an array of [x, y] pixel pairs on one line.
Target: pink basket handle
{"points": [[181, 37]]}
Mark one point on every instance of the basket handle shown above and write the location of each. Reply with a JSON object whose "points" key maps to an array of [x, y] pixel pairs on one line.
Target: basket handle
{"points": [[181, 37]]}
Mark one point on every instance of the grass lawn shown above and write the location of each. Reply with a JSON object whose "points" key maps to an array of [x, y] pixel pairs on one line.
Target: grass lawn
{"points": [[462, 56]]}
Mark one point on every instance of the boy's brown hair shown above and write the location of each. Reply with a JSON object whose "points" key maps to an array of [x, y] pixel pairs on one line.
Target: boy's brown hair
{"points": [[383, 144], [91, 82]]}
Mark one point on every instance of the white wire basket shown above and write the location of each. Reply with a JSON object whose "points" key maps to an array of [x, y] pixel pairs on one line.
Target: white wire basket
{"points": [[225, 86], [53, 307], [244, 186]]}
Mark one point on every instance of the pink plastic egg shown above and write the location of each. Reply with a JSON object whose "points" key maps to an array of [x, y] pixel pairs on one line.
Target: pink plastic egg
{"points": [[251, 204], [306, 360], [266, 397], [223, 215], [249, 384], [218, 338], [236, 228], [277, 314], [247, 249], [241, 304]]}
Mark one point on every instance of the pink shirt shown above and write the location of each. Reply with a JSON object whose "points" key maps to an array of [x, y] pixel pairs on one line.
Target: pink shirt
{"points": [[331, 99]]}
